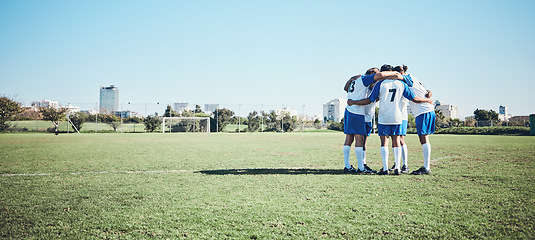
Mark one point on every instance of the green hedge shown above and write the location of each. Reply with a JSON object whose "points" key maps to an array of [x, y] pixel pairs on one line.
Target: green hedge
{"points": [[518, 131]]}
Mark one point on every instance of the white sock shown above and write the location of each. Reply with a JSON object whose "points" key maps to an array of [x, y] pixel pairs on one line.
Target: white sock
{"points": [[397, 156], [358, 152], [426, 149], [384, 156], [404, 154], [364, 157], [347, 150]]}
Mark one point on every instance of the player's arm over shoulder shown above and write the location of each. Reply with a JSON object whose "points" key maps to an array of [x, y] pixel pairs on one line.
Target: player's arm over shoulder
{"points": [[409, 94], [346, 87], [361, 102], [388, 75], [417, 99]]}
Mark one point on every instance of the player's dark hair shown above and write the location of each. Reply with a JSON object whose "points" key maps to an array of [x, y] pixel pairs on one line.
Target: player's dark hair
{"points": [[401, 69], [372, 71], [386, 67]]}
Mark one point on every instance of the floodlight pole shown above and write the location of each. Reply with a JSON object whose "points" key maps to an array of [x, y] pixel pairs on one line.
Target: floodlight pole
{"points": [[96, 119], [239, 113], [282, 119], [262, 117], [303, 128], [68, 113]]}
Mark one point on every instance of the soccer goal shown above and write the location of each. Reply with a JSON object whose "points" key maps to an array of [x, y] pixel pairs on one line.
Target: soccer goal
{"points": [[185, 124]]}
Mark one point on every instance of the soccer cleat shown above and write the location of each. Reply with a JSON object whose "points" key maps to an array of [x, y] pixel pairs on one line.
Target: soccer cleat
{"points": [[397, 172], [392, 168], [350, 170], [421, 171], [382, 172], [365, 171], [369, 169], [404, 169]]}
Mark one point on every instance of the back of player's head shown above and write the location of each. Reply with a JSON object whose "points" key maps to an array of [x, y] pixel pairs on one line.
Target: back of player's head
{"points": [[400, 69], [372, 71], [386, 67]]}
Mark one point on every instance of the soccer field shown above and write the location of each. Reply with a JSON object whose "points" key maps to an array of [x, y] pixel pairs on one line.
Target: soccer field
{"points": [[260, 186]]}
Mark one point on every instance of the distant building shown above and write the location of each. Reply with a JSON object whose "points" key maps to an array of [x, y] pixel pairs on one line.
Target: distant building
{"points": [[449, 111], [210, 108], [90, 112], [30, 112], [109, 99], [45, 103], [126, 114], [180, 107], [71, 108], [519, 118], [334, 110], [470, 118], [503, 114], [503, 110], [286, 110]]}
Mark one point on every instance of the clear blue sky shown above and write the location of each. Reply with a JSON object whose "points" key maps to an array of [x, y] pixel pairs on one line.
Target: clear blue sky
{"points": [[474, 54]]}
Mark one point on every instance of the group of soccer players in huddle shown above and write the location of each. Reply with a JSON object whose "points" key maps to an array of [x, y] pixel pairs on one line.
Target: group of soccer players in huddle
{"points": [[392, 88]]}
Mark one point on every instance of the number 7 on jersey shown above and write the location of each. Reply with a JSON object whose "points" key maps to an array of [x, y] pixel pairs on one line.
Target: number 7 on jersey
{"points": [[393, 91]]}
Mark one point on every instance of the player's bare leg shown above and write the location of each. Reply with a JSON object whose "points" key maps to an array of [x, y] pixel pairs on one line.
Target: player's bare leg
{"points": [[423, 139]]}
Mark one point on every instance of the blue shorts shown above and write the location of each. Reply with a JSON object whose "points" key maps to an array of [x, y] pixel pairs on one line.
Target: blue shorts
{"points": [[389, 130], [404, 127], [355, 124], [425, 123]]}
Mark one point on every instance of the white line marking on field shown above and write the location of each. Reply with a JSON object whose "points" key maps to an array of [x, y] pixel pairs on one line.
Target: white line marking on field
{"points": [[447, 157], [94, 172]]}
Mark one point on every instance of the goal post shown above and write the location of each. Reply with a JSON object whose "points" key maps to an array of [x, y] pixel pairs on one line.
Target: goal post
{"points": [[185, 124]]}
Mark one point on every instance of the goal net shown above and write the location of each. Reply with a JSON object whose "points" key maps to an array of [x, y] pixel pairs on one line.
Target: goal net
{"points": [[185, 124]]}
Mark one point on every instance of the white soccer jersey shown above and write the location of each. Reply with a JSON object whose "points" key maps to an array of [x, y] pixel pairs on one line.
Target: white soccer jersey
{"points": [[404, 111], [358, 89], [420, 91], [390, 93]]}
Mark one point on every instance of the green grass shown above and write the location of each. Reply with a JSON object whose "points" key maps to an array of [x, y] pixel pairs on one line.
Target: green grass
{"points": [[261, 185], [231, 128], [88, 127]]}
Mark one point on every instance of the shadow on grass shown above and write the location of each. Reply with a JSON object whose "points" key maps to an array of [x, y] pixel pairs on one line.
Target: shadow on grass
{"points": [[266, 171]]}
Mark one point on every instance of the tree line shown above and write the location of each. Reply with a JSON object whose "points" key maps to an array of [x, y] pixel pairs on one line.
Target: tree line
{"points": [[219, 120]]}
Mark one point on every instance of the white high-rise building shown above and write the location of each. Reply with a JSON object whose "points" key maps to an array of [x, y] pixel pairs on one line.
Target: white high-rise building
{"points": [[45, 103], [334, 110], [180, 106], [503, 110], [109, 99], [286, 110], [449, 111], [210, 108], [503, 114]]}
